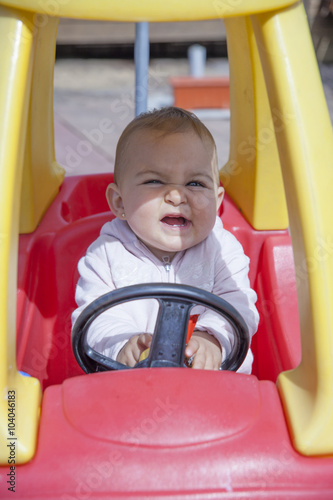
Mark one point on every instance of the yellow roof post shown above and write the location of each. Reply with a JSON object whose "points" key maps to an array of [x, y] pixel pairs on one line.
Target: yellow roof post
{"points": [[305, 146], [252, 175], [42, 176], [19, 395]]}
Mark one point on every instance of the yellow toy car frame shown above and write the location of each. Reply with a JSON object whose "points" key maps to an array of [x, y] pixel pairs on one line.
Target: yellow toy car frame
{"points": [[280, 172]]}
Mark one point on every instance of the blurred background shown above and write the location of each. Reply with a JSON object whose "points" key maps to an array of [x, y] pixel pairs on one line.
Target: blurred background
{"points": [[94, 80]]}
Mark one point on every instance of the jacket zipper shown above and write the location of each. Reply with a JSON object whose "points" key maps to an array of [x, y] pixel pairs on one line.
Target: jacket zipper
{"points": [[166, 263]]}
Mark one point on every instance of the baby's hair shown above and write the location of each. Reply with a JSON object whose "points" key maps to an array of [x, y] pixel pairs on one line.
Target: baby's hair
{"points": [[169, 120]]}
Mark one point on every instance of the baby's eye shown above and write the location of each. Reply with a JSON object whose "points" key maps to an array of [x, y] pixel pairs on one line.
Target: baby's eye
{"points": [[195, 184], [153, 181]]}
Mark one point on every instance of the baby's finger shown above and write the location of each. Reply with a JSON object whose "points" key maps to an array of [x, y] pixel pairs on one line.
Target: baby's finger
{"points": [[132, 359], [191, 348], [199, 361], [144, 340], [127, 355]]}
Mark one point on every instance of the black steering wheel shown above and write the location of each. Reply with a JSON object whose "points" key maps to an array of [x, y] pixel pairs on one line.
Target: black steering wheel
{"points": [[168, 342]]}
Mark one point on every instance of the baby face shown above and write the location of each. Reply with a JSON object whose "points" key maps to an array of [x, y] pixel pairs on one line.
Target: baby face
{"points": [[168, 191]]}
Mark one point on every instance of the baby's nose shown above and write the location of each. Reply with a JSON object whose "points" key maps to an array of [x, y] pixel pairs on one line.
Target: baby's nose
{"points": [[175, 195]]}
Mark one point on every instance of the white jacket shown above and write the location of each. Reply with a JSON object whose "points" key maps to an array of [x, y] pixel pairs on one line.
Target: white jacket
{"points": [[118, 258]]}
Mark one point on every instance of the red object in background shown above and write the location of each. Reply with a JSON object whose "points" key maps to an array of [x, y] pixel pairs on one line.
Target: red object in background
{"points": [[204, 92], [191, 326], [156, 433]]}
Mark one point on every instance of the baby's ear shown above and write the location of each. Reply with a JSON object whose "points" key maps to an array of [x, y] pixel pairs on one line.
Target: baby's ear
{"points": [[115, 200], [220, 196]]}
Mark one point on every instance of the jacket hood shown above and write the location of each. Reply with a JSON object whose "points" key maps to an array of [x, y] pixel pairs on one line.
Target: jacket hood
{"points": [[120, 230]]}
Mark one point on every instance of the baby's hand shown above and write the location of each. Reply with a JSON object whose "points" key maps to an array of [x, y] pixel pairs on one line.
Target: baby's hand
{"points": [[130, 354], [206, 351]]}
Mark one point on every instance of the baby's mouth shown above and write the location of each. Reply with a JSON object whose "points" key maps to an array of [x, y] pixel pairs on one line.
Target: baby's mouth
{"points": [[175, 221]]}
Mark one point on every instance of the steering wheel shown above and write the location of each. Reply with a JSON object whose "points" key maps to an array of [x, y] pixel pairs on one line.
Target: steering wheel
{"points": [[168, 342]]}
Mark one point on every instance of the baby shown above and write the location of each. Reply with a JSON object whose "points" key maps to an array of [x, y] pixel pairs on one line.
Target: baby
{"points": [[165, 197]]}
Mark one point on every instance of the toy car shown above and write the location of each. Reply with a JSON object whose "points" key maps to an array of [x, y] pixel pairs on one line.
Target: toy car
{"points": [[169, 431]]}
